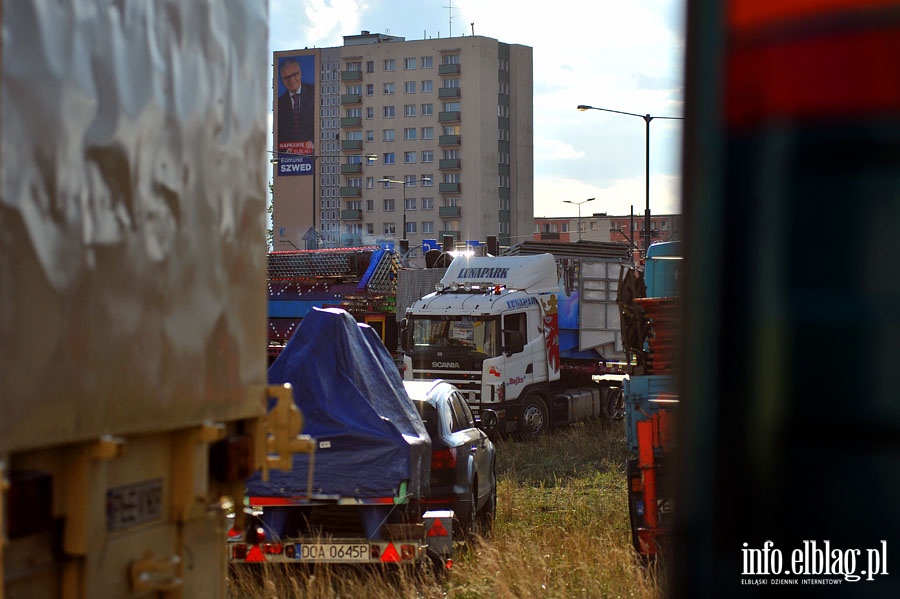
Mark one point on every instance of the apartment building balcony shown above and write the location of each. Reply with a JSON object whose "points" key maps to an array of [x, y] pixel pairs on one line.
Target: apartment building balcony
{"points": [[449, 164], [351, 144], [449, 187], [351, 192], [349, 169], [351, 121], [351, 75], [449, 211], [448, 92], [351, 214], [449, 69], [451, 116], [449, 140], [351, 99]]}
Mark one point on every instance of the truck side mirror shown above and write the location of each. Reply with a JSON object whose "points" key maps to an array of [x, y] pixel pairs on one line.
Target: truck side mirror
{"points": [[513, 342], [404, 329]]}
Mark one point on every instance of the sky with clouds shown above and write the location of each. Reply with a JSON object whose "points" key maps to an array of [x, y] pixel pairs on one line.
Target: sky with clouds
{"points": [[624, 56]]}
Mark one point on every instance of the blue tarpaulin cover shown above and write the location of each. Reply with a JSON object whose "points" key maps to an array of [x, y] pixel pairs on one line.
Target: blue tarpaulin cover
{"points": [[369, 435]]}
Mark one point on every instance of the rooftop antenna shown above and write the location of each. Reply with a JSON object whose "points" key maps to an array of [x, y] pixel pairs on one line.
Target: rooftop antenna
{"points": [[473, 29], [450, 17]]}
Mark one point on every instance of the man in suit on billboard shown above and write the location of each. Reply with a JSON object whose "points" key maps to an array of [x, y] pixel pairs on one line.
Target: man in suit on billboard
{"points": [[296, 105]]}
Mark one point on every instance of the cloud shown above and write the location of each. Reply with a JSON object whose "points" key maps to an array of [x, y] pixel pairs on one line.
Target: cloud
{"points": [[554, 149], [618, 198], [330, 20]]}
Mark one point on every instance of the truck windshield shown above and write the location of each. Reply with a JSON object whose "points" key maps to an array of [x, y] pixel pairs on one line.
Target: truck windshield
{"points": [[464, 332]]}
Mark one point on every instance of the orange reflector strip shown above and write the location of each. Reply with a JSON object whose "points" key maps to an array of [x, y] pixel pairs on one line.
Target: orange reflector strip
{"points": [[437, 530], [390, 554], [255, 554]]}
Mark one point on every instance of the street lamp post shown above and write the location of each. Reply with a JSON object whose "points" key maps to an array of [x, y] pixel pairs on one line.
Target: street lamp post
{"points": [[579, 211], [647, 118], [404, 183]]}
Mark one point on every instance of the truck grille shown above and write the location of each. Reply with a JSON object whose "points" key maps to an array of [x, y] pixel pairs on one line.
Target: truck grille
{"points": [[467, 381]]}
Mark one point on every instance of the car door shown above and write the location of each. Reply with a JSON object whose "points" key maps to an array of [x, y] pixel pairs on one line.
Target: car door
{"points": [[474, 441]]}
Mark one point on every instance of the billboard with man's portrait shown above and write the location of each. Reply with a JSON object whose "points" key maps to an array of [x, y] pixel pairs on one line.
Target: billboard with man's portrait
{"points": [[295, 112]]}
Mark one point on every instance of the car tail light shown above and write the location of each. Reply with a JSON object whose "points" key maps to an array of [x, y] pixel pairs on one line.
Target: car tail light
{"points": [[443, 459]]}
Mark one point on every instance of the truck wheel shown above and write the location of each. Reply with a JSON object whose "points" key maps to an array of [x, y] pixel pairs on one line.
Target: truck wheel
{"points": [[535, 420], [614, 406]]}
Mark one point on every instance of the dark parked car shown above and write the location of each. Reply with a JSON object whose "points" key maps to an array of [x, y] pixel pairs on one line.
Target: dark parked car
{"points": [[463, 458]]}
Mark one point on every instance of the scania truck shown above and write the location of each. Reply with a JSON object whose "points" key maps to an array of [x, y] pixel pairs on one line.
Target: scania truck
{"points": [[493, 329]]}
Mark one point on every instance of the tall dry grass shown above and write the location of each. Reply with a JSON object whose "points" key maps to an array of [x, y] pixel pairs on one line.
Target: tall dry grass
{"points": [[561, 531]]}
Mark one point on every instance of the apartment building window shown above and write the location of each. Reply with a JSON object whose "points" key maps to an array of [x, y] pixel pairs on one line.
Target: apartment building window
{"points": [[450, 59], [451, 178], [503, 111], [503, 181], [370, 66], [410, 204], [370, 89], [450, 225], [354, 112], [354, 135], [354, 182], [451, 202], [388, 88], [427, 155], [410, 227], [409, 157], [354, 90], [427, 109], [427, 180], [451, 83], [370, 228], [451, 154], [354, 66], [409, 133], [409, 110], [504, 204], [388, 112], [427, 86], [409, 180], [370, 112], [370, 182], [427, 132], [451, 130], [409, 64], [427, 226], [354, 229], [388, 135], [370, 205], [409, 87], [390, 229], [370, 135], [451, 106], [390, 64], [388, 158], [354, 205], [388, 204], [427, 62], [427, 203]]}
